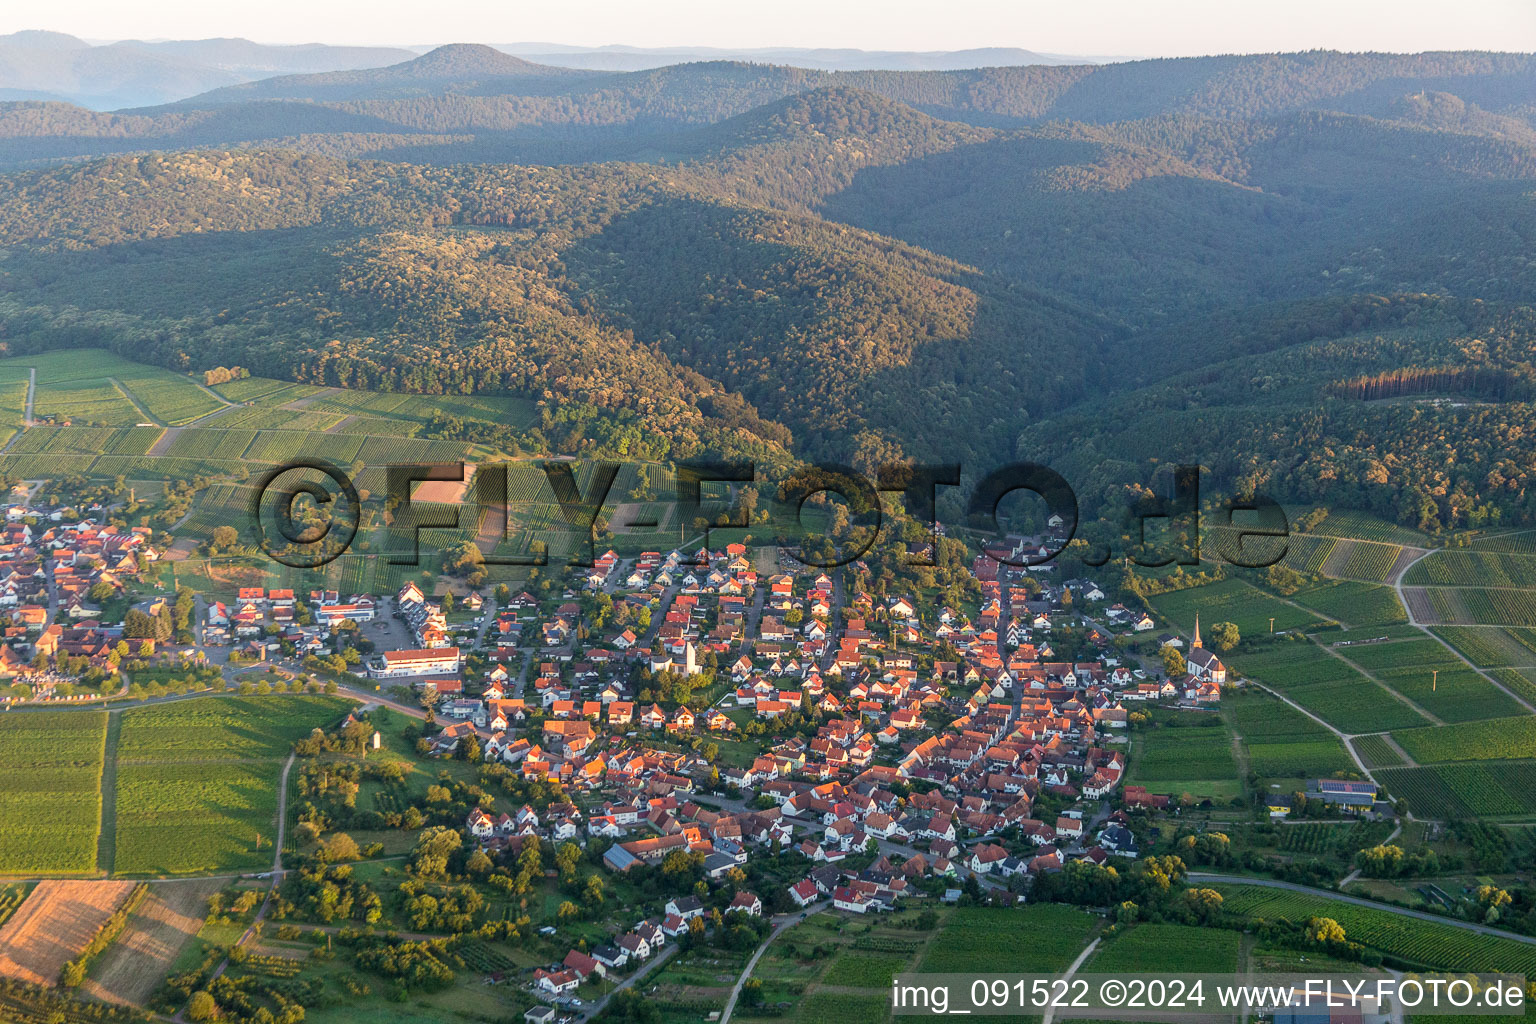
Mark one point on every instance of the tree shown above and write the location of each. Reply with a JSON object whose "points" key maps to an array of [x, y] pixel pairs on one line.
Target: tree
{"points": [[201, 1006], [1173, 662], [224, 539], [1324, 930], [1225, 636]]}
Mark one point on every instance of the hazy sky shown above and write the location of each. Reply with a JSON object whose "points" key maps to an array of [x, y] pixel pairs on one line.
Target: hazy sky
{"points": [[1128, 27]]}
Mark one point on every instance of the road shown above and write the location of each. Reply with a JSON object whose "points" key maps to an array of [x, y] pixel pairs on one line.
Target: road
{"points": [[1419, 915], [781, 922], [649, 966], [1082, 958]]}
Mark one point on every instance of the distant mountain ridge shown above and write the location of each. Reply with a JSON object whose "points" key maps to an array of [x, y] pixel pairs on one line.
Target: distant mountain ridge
{"points": [[55, 65]]}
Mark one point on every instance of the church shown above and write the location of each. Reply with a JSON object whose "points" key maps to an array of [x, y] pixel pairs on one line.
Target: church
{"points": [[1204, 665]]}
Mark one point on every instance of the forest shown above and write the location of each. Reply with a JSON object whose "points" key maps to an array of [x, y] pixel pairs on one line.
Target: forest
{"points": [[1306, 273]]}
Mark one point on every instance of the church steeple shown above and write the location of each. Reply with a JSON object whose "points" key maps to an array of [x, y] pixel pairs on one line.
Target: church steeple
{"points": [[1195, 642]]}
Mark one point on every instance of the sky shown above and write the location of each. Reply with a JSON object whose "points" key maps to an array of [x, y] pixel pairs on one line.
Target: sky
{"points": [[1084, 27]]}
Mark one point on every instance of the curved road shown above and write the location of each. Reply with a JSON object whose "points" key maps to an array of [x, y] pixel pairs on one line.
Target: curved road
{"points": [[1273, 883], [786, 920]]}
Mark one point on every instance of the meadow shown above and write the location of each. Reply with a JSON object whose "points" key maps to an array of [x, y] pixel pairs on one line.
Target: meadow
{"points": [[51, 762], [197, 780]]}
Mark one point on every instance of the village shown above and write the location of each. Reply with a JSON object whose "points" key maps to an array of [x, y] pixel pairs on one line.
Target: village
{"points": [[689, 706]]}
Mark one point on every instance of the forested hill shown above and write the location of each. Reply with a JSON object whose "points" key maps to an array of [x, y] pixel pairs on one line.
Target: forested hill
{"points": [[1309, 272]]}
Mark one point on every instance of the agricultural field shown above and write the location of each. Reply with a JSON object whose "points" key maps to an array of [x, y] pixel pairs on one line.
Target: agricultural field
{"points": [[54, 925], [1041, 937], [1168, 948], [1231, 600], [1353, 603], [1464, 790], [1414, 653], [1283, 743], [1362, 560], [1330, 838], [1423, 942], [157, 930], [1343, 522], [51, 762], [1454, 694], [1519, 681], [1499, 739], [197, 780], [1376, 752], [87, 440], [1329, 688], [171, 398], [1484, 606], [1192, 758], [1473, 569], [1491, 646], [211, 443], [90, 400]]}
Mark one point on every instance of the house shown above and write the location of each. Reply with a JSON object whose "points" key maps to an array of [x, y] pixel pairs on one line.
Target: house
{"points": [[746, 903], [424, 661], [685, 907], [540, 1015], [556, 982], [804, 892]]}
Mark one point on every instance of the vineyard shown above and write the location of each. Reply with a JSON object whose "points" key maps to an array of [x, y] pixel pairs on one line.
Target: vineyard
{"points": [[93, 400], [1329, 688], [170, 398], [51, 802], [1477, 605], [1283, 743], [1456, 694], [1474, 568], [1041, 937], [1364, 561], [1185, 754], [1488, 646], [1354, 603], [1341, 840], [1419, 942], [197, 781], [11, 897], [1376, 752], [1480, 789], [1501, 739], [1231, 600], [1362, 526], [1168, 948]]}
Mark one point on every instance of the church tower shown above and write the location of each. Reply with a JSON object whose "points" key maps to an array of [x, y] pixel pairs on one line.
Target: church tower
{"points": [[1194, 643]]}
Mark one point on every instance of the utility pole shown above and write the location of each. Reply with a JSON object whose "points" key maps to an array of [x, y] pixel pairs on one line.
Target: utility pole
{"points": [[1271, 623], [1434, 679]]}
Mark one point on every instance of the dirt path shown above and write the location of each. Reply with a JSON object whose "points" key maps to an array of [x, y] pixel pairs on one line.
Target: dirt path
{"points": [[785, 921], [1082, 958], [1432, 718], [26, 416], [135, 400], [1414, 620], [106, 839]]}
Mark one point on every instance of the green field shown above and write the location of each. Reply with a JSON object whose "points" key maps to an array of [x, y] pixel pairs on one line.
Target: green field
{"points": [[50, 803], [1500, 739], [1041, 937], [197, 780], [1490, 646], [1167, 948], [1283, 743], [1376, 752], [1465, 790], [1344, 522], [1192, 758], [1473, 568], [1420, 942], [1328, 687], [1230, 600], [1353, 603]]}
